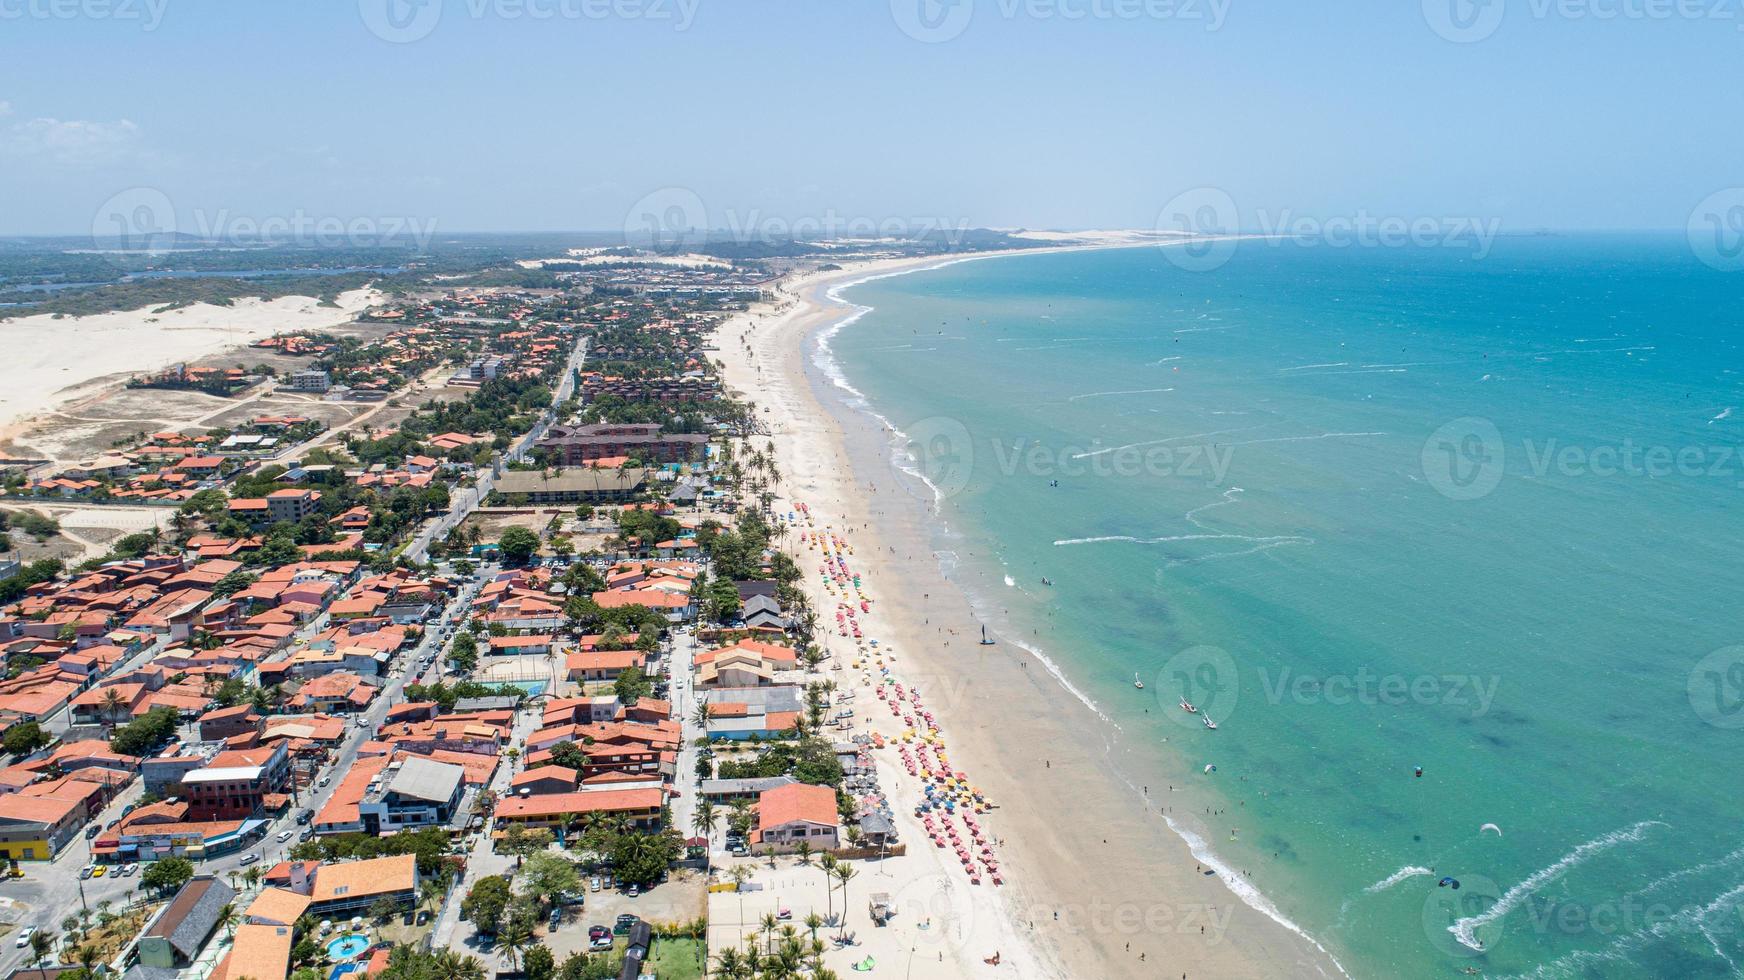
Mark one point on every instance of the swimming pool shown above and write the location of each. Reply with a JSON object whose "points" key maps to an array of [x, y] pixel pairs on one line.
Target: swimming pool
{"points": [[345, 947]]}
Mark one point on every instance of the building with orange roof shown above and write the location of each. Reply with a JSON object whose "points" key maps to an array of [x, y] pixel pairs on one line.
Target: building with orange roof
{"points": [[346, 888], [787, 815], [641, 807]]}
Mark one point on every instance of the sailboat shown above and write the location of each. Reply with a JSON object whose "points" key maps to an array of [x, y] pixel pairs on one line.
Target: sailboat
{"points": [[1208, 722], [1137, 683], [1188, 707], [986, 640]]}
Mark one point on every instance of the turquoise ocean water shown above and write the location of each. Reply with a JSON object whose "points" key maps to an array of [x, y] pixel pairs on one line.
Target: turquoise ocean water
{"points": [[1373, 510]]}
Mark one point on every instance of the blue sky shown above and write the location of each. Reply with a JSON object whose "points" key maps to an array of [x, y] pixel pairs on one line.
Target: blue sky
{"points": [[482, 116]]}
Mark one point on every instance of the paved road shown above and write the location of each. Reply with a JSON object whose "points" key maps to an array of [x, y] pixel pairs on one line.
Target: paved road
{"points": [[464, 500]]}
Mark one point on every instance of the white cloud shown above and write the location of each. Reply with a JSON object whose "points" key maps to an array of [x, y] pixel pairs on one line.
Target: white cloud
{"points": [[5, 108], [72, 142]]}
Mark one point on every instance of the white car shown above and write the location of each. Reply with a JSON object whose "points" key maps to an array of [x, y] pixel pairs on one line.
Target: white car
{"points": [[24, 937], [284, 835]]}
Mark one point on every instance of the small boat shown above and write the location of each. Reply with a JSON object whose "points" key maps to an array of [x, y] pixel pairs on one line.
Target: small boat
{"points": [[1047, 581], [1188, 707], [986, 641], [1209, 723], [1137, 683]]}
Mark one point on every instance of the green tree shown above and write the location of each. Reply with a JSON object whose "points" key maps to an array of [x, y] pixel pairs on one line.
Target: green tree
{"points": [[485, 903], [518, 545], [569, 755], [24, 738], [538, 964], [167, 874], [631, 686], [547, 875], [464, 653]]}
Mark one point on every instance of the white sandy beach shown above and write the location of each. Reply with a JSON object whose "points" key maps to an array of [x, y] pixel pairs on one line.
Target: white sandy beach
{"points": [[1094, 878], [53, 362]]}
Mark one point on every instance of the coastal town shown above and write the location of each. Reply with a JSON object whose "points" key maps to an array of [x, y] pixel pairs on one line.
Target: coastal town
{"points": [[483, 636]]}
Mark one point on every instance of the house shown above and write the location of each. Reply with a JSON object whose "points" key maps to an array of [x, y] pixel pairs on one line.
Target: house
{"points": [[223, 723], [640, 807], [238, 782], [411, 792], [179, 931], [787, 815], [277, 907], [762, 612], [740, 713], [545, 780], [579, 445], [604, 665], [35, 828], [257, 950], [347, 889], [723, 792], [292, 504]]}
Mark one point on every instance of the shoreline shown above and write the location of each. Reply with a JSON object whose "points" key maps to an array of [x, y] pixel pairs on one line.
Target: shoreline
{"points": [[1080, 904]]}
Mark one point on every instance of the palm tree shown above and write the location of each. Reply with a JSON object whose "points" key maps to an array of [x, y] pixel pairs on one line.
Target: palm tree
{"points": [[253, 876], [88, 956], [449, 965], [767, 927], [228, 918], [42, 942], [814, 922], [729, 965], [828, 863], [112, 703], [803, 852], [514, 941], [844, 874]]}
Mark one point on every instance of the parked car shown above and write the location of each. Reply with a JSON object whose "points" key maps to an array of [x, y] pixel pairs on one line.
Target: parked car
{"points": [[85, 872], [305, 816], [93, 830], [248, 859], [130, 870], [625, 923], [634, 890], [99, 871], [284, 835], [593, 884]]}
